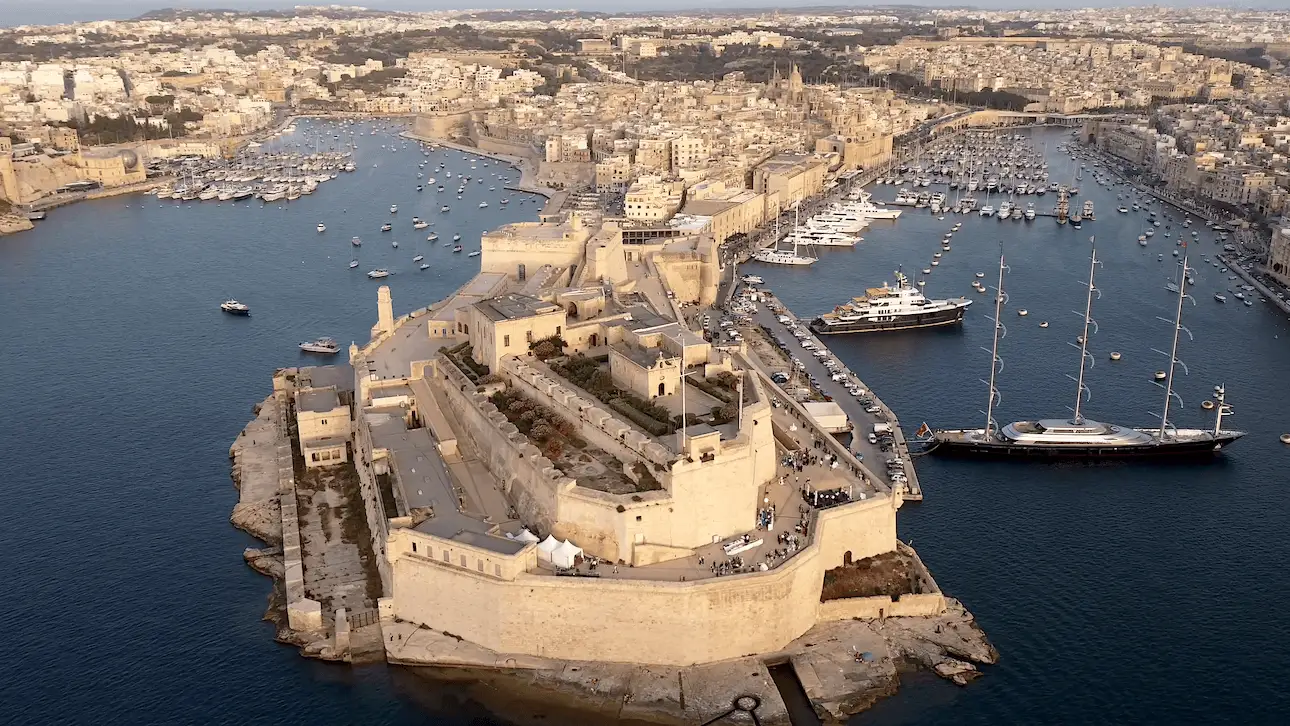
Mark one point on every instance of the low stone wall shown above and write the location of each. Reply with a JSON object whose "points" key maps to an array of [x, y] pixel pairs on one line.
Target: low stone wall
{"points": [[880, 606], [303, 614]]}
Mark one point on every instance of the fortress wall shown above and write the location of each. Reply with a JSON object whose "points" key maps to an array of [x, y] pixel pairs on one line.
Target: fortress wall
{"points": [[528, 478], [838, 531], [635, 621], [504, 254]]}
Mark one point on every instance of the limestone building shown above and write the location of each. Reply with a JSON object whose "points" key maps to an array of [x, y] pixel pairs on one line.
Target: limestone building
{"points": [[1278, 264], [322, 426]]}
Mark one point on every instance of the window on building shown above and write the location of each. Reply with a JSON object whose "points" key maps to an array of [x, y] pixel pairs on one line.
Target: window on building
{"points": [[324, 422], [463, 560], [479, 565], [446, 556], [315, 456], [557, 330], [497, 570], [528, 336], [638, 518], [506, 341], [414, 546]]}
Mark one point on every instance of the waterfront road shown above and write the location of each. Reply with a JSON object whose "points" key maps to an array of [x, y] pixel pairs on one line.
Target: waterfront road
{"points": [[874, 458]]}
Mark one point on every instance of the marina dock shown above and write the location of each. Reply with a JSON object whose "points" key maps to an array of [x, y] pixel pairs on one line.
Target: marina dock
{"points": [[767, 317]]}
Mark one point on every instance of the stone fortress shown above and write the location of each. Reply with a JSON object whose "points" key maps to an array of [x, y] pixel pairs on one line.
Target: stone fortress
{"points": [[556, 469]]}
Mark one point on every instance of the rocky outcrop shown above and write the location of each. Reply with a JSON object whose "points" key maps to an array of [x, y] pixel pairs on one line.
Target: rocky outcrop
{"points": [[11, 223], [261, 520]]}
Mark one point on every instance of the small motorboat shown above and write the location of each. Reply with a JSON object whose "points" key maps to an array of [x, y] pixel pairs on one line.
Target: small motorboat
{"points": [[420, 225], [394, 209], [431, 237], [456, 237], [394, 244], [378, 273], [456, 248], [980, 274], [473, 254], [322, 227], [1161, 375], [1115, 355], [1207, 404], [233, 307], [444, 208], [387, 227], [483, 205], [356, 241], [325, 346], [418, 258], [1023, 312], [353, 264], [424, 266], [1044, 324]]}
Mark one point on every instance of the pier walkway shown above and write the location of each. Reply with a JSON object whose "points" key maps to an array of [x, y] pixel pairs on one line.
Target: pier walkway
{"points": [[874, 458]]}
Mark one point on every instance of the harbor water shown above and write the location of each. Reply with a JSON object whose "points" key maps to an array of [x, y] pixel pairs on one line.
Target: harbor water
{"points": [[1134, 593]]}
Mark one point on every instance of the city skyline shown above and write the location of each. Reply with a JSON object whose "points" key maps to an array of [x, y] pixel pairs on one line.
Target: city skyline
{"points": [[16, 13]]}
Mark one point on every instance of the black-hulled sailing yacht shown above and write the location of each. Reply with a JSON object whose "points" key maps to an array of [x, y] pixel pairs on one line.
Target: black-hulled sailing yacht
{"points": [[1078, 437]]}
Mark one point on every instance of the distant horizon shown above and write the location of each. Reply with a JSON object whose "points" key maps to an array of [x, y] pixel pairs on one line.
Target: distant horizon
{"points": [[60, 12]]}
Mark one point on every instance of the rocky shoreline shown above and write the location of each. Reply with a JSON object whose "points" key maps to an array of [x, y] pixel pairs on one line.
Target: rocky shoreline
{"points": [[844, 668]]}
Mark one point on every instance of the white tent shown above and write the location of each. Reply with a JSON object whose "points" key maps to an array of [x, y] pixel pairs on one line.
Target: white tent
{"points": [[526, 536], [546, 547], [564, 555]]}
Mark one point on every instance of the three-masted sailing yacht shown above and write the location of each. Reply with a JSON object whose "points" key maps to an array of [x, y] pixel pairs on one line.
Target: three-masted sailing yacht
{"points": [[1078, 437]]}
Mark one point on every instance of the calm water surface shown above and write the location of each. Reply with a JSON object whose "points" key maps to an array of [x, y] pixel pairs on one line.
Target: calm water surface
{"points": [[1126, 593]]}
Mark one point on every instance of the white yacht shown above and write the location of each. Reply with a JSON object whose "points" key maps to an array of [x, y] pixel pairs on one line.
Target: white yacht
{"points": [[902, 307], [326, 346], [861, 207], [394, 209], [378, 273], [483, 205], [823, 237], [234, 307], [420, 225], [1030, 212], [322, 227], [987, 211], [776, 256]]}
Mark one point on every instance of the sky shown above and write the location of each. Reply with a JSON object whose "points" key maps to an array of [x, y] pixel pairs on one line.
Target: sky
{"points": [[22, 12]]}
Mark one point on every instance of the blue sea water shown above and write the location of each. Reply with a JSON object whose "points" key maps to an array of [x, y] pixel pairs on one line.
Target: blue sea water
{"points": [[1126, 593]]}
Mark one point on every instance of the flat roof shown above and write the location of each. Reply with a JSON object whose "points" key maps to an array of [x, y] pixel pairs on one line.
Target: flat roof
{"points": [[514, 307], [317, 400], [341, 376], [423, 477]]}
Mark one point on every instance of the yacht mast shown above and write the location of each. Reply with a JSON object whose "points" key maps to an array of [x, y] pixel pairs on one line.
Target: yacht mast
{"points": [[1080, 388], [994, 351], [1173, 351]]}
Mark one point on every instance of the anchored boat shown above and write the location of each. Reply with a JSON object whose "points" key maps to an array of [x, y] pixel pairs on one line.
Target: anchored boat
{"points": [[902, 307], [1078, 437]]}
